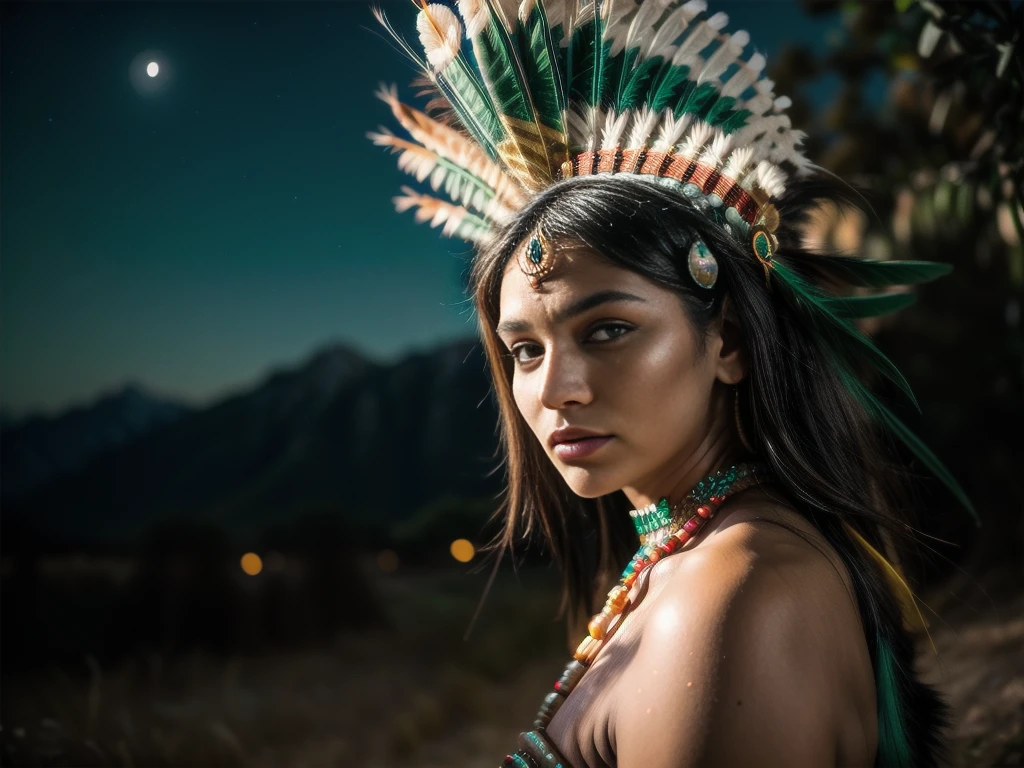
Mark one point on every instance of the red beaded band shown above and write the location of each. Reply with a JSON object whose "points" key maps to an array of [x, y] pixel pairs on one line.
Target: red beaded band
{"points": [[669, 166]]}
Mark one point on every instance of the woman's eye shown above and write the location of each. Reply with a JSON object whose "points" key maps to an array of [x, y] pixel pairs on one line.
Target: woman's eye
{"points": [[609, 332], [523, 353]]}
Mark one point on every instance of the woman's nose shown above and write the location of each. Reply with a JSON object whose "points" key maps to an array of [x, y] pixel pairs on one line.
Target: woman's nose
{"points": [[564, 380]]}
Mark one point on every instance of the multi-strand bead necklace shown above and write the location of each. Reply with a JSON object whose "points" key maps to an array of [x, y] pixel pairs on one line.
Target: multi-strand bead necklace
{"points": [[663, 529]]}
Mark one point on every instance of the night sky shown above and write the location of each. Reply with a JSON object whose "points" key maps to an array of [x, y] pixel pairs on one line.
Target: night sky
{"points": [[190, 232]]}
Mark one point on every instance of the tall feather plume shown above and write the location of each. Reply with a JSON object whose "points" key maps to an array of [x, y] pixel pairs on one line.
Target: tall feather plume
{"points": [[462, 186], [452, 145], [458, 83], [454, 220], [526, 147]]}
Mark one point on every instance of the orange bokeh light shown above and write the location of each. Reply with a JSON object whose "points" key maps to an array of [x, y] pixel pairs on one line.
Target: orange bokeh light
{"points": [[252, 564]]}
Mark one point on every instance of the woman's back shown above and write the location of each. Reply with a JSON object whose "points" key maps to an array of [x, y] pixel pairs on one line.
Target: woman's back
{"points": [[751, 640]]}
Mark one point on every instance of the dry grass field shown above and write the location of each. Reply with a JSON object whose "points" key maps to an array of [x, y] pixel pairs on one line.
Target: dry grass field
{"points": [[412, 692]]}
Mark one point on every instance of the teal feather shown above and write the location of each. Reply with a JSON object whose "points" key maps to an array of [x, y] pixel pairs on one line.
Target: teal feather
{"points": [[670, 82], [580, 63], [539, 45], [597, 81], [922, 452], [501, 69], [879, 274], [893, 747], [463, 90], [854, 307], [850, 343], [638, 85], [720, 110], [737, 119], [697, 99], [625, 63], [473, 105]]}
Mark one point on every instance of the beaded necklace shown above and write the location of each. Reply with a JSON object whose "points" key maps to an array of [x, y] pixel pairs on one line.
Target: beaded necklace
{"points": [[663, 529]]}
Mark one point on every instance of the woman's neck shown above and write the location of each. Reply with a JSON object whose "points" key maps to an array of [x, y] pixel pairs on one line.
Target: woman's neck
{"points": [[675, 481]]}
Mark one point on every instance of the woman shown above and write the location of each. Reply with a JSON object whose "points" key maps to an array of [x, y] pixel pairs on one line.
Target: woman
{"points": [[666, 350]]}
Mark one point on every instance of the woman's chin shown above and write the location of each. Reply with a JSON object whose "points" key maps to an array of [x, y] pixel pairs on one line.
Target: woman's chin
{"points": [[589, 483]]}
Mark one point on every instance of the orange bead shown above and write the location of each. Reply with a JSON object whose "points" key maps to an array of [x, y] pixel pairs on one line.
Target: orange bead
{"points": [[597, 627]]}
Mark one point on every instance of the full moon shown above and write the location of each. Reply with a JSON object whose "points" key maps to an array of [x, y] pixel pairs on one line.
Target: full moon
{"points": [[152, 69]]}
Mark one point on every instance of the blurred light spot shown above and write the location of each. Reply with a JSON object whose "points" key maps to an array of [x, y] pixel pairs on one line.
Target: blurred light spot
{"points": [[462, 550], [152, 69], [275, 562], [251, 563], [387, 560]]}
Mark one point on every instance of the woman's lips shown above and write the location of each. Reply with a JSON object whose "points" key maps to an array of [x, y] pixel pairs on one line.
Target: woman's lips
{"points": [[579, 449]]}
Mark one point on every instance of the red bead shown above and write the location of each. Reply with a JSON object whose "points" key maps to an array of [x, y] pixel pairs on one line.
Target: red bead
{"points": [[655, 556], [704, 511], [682, 537], [638, 566], [558, 686], [692, 524]]}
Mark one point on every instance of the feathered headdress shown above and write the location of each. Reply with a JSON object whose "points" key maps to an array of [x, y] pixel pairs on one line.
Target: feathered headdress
{"points": [[537, 92]]}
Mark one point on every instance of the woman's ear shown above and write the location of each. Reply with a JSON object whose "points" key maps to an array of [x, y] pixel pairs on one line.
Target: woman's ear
{"points": [[731, 365]]}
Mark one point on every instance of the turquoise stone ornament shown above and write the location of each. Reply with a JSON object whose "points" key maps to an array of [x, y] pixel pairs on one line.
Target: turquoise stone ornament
{"points": [[703, 267], [536, 257], [536, 251], [762, 245]]}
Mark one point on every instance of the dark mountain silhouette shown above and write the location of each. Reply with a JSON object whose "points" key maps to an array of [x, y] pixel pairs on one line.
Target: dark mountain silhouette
{"points": [[374, 442], [37, 450]]}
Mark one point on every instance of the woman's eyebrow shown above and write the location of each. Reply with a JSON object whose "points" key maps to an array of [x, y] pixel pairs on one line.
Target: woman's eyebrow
{"points": [[574, 309]]}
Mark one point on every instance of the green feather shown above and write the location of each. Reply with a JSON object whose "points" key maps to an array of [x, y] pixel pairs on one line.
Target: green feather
{"points": [[854, 307], [669, 83], [720, 110], [540, 62], [893, 748], [579, 62], [473, 106], [597, 82], [879, 274], [624, 70], [841, 335], [736, 119], [923, 453], [501, 70], [638, 85], [696, 99]]}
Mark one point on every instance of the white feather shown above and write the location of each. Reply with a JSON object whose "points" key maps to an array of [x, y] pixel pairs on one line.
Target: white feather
{"points": [[717, 150], [643, 126], [671, 131], [440, 35], [614, 125], [475, 14], [744, 77], [737, 163], [728, 52], [694, 142], [783, 102], [697, 40], [770, 178], [614, 13], [659, 40]]}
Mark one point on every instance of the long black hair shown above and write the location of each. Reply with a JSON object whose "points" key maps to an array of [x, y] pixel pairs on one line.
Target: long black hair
{"points": [[828, 458]]}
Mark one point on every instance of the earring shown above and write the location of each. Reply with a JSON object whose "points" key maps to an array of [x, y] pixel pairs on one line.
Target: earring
{"points": [[739, 422]]}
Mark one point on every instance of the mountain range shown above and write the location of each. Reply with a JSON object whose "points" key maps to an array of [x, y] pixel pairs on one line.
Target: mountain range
{"points": [[375, 442]]}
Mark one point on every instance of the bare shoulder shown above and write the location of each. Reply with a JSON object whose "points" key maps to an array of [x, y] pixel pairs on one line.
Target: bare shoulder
{"points": [[751, 654]]}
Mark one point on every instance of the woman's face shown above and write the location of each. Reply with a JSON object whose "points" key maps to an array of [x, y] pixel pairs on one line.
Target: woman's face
{"points": [[605, 352]]}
